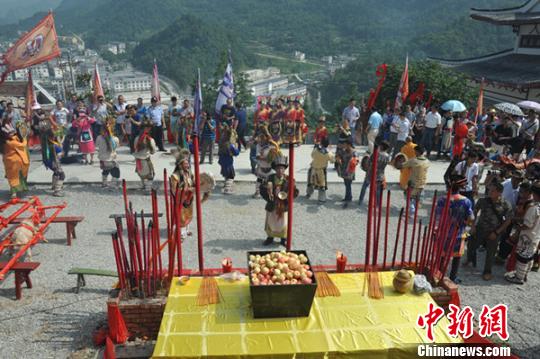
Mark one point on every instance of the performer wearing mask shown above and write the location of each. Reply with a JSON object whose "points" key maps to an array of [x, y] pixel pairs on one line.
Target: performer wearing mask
{"points": [[317, 176], [266, 152], [107, 144], [145, 147], [276, 195]]}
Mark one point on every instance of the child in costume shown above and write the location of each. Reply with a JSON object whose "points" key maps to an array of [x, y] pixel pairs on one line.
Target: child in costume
{"points": [[266, 152], [276, 195], [86, 140], [321, 131], [528, 240], [107, 144], [317, 176], [227, 150], [346, 161], [145, 147]]}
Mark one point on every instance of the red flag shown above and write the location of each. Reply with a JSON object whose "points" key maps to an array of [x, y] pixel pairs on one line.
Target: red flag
{"points": [[97, 89], [36, 46], [381, 74], [480, 104], [418, 94], [428, 102], [155, 83], [31, 100], [403, 90]]}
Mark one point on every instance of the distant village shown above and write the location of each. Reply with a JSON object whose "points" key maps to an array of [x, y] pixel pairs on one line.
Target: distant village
{"points": [[59, 78]]}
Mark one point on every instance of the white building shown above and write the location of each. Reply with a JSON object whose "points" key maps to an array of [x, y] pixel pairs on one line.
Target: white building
{"points": [[260, 74], [300, 56], [268, 86]]}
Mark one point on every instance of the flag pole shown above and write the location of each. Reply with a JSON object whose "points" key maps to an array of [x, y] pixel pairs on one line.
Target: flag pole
{"points": [[291, 196], [198, 179]]}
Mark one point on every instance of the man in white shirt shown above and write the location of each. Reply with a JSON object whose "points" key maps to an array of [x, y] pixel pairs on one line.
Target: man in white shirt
{"points": [[432, 127], [174, 115], [528, 131], [351, 114], [155, 114], [403, 127], [511, 188], [60, 116], [470, 170]]}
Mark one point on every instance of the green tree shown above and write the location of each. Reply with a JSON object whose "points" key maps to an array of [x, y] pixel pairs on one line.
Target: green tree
{"points": [[443, 83]]}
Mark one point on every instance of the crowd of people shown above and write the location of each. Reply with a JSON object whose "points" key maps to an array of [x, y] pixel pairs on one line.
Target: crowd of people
{"points": [[505, 222]]}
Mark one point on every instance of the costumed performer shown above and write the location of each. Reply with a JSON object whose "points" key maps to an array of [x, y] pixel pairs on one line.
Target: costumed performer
{"points": [[107, 144], [460, 213], [145, 147], [528, 240], [227, 150], [15, 156], [266, 152], [317, 175], [51, 152], [276, 196]]}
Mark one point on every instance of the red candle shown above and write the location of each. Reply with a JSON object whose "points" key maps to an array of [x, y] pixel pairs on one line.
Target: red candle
{"points": [[341, 262], [226, 265]]}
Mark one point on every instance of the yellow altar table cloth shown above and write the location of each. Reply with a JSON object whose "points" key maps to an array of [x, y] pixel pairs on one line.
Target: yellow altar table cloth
{"points": [[349, 326]]}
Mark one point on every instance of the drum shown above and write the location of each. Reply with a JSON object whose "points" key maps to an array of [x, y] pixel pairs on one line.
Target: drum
{"points": [[208, 183], [364, 164], [399, 160]]}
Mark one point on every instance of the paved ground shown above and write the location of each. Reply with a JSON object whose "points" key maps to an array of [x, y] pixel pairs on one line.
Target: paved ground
{"points": [[52, 322], [76, 173]]}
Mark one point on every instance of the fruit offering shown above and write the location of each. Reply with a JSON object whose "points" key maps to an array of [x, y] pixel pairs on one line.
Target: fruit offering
{"points": [[280, 268]]}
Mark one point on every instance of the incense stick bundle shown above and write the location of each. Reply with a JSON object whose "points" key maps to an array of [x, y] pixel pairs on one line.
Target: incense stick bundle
{"points": [[208, 292], [374, 285], [326, 287]]}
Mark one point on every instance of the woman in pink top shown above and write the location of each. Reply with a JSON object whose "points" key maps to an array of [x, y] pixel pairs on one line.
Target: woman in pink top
{"points": [[86, 142]]}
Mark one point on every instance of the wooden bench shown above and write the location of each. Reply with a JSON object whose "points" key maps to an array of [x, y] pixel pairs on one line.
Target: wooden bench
{"points": [[81, 272], [70, 221], [22, 274]]}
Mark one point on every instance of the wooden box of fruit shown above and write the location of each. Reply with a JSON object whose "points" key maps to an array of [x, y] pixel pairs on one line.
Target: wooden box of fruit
{"points": [[282, 284]]}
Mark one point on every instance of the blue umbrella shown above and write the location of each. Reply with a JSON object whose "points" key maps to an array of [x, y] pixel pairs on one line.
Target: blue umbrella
{"points": [[454, 106]]}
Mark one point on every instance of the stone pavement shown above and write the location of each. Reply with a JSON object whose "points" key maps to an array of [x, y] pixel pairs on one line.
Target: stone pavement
{"points": [[78, 173]]}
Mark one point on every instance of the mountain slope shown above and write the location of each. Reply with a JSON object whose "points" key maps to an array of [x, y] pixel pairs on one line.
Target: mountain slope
{"points": [[189, 43]]}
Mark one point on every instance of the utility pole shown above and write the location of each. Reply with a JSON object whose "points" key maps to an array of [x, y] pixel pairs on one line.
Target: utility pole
{"points": [[73, 83]]}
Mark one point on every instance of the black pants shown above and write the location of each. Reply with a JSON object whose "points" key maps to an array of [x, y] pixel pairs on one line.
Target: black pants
{"points": [[491, 249], [241, 131], [114, 172], [207, 146], [505, 248], [454, 268], [348, 189], [157, 135]]}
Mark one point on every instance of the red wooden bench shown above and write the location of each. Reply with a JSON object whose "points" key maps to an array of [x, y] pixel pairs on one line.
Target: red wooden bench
{"points": [[22, 274], [70, 221]]}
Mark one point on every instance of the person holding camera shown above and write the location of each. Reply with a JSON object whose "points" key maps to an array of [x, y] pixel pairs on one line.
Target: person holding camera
{"points": [[208, 136]]}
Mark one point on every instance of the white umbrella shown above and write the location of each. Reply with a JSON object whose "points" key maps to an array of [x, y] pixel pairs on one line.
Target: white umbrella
{"points": [[509, 108], [529, 105]]}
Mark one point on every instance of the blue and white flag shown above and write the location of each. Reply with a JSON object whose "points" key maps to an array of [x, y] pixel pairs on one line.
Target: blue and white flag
{"points": [[226, 89], [198, 106]]}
